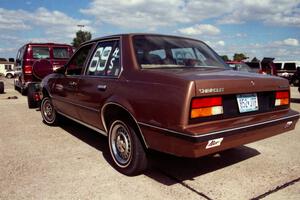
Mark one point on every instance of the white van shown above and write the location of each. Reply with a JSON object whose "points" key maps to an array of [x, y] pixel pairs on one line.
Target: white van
{"points": [[7, 69], [286, 68]]}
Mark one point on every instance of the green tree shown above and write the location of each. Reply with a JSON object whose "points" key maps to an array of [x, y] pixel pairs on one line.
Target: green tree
{"points": [[225, 58], [239, 57], [81, 36]]}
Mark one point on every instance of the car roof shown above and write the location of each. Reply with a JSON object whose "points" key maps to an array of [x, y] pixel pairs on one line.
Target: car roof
{"points": [[134, 34], [48, 44]]}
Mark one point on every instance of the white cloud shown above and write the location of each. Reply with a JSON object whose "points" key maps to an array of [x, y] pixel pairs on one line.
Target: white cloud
{"points": [[153, 14], [286, 49], [55, 24], [42, 25], [291, 42], [10, 51], [13, 19], [200, 29], [287, 42], [241, 35], [279, 12], [139, 14], [221, 43]]}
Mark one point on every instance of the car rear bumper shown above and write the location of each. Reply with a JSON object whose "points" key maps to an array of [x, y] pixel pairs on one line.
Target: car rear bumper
{"points": [[190, 143]]}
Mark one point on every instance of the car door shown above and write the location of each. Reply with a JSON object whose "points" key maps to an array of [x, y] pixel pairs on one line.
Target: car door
{"points": [[66, 86], [98, 81]]}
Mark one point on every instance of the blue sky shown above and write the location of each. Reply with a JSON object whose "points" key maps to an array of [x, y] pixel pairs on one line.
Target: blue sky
{"points": [[254, 27]]}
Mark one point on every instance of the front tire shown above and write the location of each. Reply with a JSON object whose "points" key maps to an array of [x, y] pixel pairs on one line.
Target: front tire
{"points": [[9, 76], [48, 112], [126, 149]]}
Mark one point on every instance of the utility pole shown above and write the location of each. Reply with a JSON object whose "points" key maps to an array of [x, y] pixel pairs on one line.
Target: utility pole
{"points": [[81, 26]]}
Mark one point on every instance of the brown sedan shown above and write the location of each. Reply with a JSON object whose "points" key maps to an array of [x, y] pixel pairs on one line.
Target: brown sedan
{"points": [[167, 93]]}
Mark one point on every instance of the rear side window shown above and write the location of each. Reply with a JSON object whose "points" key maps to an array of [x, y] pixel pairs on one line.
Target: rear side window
{"points": [[8, 67], [60, 52], [290, 66], [78, 60], [40, 52], [105, 60]]}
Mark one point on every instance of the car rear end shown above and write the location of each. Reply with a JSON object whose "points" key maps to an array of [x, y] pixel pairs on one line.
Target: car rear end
{"points": [[39, 61], [224, 112], [221, 108], [30, 56], [238, 111]]}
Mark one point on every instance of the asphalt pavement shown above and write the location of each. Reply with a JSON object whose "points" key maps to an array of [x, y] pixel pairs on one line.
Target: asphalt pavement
{"points": [[72, 162]]}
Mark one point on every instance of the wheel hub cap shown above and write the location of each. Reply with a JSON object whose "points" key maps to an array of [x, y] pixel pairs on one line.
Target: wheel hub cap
{"points": [[121, 144]]}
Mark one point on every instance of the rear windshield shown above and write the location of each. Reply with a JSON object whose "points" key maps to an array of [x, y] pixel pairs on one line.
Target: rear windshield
{"points": [[173, 52], [60, 52], [40, 52]]}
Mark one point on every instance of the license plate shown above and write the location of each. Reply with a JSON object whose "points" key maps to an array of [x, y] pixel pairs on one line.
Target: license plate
{"points": [[247, 102]]}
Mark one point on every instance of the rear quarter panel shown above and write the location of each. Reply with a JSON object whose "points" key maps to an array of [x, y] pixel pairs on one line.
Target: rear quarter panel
{"points": [[157, 100]]}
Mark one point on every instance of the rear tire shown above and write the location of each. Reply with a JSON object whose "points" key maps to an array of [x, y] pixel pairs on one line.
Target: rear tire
{"points": [[1, 87], [126, 150], [23, 91], [49, 114], [296, 82], [31, 90], [9, 76]]}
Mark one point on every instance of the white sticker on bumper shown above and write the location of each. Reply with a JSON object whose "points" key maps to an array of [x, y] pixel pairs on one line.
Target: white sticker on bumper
{"points": [[214, 143]]}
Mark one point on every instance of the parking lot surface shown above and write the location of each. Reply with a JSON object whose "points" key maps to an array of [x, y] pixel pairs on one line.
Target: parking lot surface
{"points": [[70, 161]]}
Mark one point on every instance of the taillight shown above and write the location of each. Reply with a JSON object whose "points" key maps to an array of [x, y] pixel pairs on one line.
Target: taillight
{"points": [[37, 96], [282, 98], [207, 106], [28, 69]]}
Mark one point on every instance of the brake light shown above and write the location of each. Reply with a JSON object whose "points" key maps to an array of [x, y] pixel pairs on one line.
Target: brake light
{"points": [[28, 69], [282, 98], [207, 106], [37, 96]]}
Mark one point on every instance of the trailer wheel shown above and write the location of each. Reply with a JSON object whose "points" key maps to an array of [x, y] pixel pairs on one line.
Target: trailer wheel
{"points": [[31, 90], [1, 87]]}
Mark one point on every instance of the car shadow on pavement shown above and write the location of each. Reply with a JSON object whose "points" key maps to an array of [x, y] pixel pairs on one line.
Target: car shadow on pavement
{"points": [[178, 169], [294, 100], [165, 168], [89, 136]]}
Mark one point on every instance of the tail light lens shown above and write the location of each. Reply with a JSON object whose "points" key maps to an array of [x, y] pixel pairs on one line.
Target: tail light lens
{"points": [[37, 96], [28, 69], [282, 98], [207, 106]]}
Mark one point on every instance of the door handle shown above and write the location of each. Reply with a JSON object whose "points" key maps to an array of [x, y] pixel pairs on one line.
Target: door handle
{"points": [[101, 87], [72, 83]]}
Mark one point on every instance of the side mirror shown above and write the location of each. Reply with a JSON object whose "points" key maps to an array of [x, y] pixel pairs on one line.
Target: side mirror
{"points": [[60, 70]]}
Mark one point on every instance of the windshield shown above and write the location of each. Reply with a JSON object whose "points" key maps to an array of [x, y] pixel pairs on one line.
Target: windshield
{"points": [[174, 52], [60, 52]]}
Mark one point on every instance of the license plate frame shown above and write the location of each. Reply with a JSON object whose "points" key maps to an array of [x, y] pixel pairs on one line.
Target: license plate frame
{"points": [[247, 102]]}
